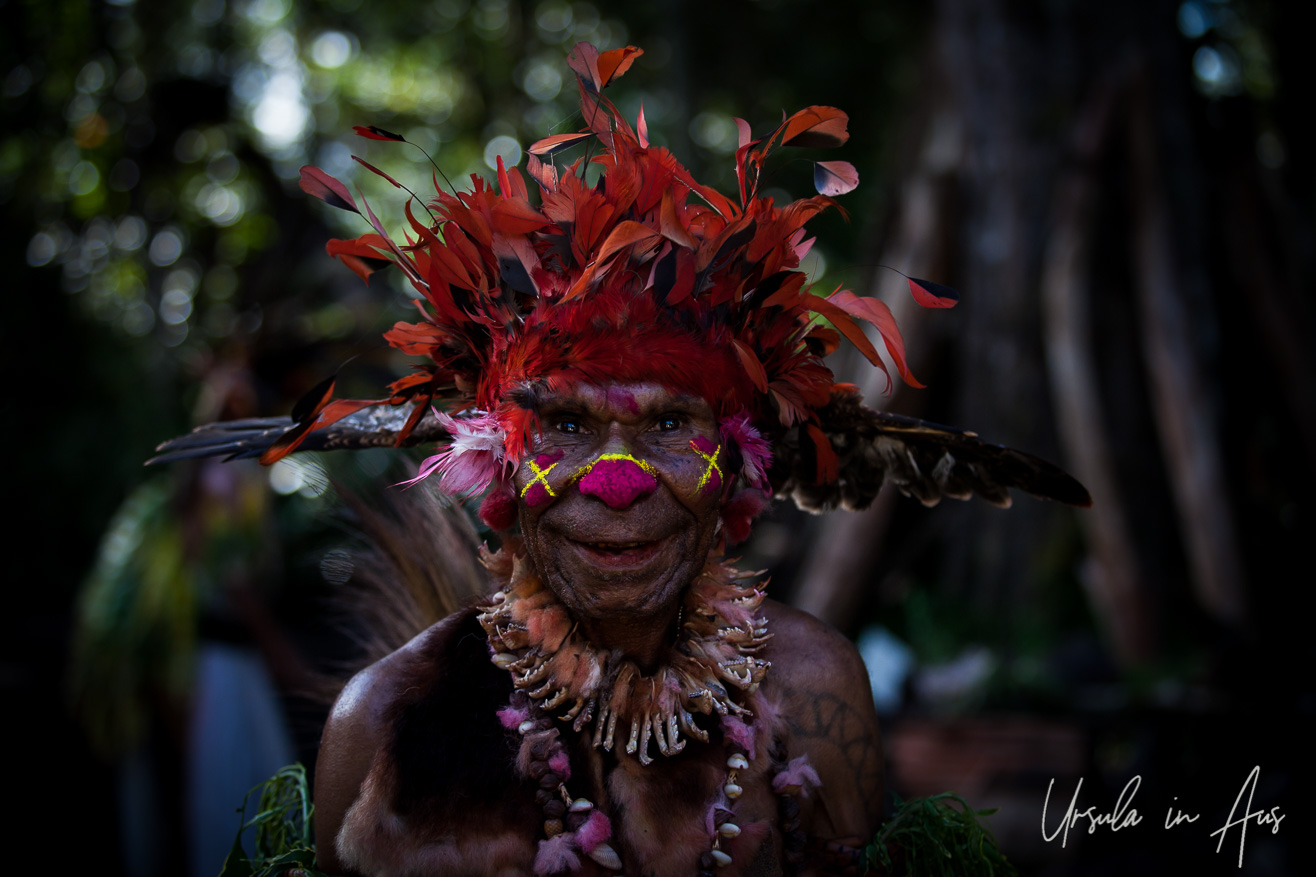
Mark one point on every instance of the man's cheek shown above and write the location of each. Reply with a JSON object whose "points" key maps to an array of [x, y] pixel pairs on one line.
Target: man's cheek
{"points": [[543, 483], [710, 454]]}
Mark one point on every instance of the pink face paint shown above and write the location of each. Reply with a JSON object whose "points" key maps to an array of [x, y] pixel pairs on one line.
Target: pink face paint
{"points": [[538, 491], [618, 480], [621, 397], [711, 480]]}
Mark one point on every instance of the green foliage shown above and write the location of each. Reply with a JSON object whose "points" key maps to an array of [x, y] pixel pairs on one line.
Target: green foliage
{"points": [[283, 830], [173, 551], [938, 836], [136, 622]]}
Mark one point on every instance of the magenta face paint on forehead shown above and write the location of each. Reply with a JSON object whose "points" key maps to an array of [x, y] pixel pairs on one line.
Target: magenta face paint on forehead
{"points": [[538, 491], [622, 397], [711, 480]]}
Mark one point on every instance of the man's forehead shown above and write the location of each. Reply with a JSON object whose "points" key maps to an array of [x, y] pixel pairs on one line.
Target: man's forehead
{"points": [[632, 397]]}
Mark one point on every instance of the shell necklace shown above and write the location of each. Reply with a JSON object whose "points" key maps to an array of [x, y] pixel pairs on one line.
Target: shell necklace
{"points": [[710, 669]]}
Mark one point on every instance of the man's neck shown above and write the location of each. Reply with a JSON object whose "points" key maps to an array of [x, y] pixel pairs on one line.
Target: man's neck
{"points": [[643, 640]]}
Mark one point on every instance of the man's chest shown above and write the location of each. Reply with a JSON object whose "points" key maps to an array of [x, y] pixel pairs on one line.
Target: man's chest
{"points": [[666, 818]]}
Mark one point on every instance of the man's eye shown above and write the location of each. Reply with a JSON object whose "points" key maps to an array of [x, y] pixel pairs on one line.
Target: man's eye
{"points": [[669, 423], [569, 426]]}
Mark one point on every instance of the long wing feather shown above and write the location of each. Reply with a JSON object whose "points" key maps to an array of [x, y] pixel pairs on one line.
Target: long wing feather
{"points": [[924, 460], [373, 427]]}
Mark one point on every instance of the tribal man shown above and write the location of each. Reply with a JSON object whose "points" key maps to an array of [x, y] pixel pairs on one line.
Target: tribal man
{"points": [[629, 370], [617, 624]]}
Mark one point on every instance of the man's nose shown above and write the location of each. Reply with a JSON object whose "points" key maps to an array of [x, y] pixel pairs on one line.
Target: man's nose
{"points": [[618, 478]]}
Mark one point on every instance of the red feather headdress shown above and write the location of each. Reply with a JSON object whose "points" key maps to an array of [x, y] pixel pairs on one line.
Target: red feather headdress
{"points": [[646, 276]]}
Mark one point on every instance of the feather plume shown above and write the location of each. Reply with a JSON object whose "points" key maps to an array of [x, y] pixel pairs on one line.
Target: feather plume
{"points": [[755, 452], [797, 777], [596, 830], [740, 511], [475, 458], [511, 717], [739, 733], [561, 764], [557, 854], [648, 276]]}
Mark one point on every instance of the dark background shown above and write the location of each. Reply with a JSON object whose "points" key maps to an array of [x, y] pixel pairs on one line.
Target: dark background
{"points": [[1122, 191]]}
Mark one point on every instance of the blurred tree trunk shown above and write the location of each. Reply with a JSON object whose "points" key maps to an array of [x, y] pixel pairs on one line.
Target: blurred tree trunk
{"points": [[1059, 182]]}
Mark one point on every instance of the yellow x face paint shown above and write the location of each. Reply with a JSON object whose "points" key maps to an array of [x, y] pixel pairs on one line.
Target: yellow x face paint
{"points": [[711, 480], [627, 523], [537, 491]]}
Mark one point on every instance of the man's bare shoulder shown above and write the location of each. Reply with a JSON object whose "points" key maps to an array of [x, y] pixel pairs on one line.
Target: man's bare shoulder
{"points": [[810, 654], [823, 695], [817, 674], [368, 695], [358, 728]]}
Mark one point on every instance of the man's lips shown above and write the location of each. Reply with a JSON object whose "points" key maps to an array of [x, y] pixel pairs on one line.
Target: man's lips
{"points": [[619, 554]]}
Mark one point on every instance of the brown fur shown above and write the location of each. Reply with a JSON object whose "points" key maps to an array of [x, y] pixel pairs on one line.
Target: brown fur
{"points": [[663, 805], [414, 563], [443, 795], [420, 776]]}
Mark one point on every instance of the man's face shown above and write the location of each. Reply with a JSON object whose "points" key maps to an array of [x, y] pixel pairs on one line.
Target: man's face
{"points": [[619, 496]]}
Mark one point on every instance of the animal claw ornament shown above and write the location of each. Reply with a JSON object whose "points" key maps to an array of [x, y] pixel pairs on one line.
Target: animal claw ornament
{"points": [[658, 708], [647, 277], [718, 628]]}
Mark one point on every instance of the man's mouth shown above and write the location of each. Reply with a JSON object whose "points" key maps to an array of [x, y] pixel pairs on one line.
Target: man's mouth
{"points": [[618, 554], [614, 546]]}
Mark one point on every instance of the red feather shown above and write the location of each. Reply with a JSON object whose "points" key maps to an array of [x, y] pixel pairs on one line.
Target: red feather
{"points": [[648, 276], [370, 132], [875, 311], [364, 255], [612, 64], [815, 127], [933, 295], [319, 184]]}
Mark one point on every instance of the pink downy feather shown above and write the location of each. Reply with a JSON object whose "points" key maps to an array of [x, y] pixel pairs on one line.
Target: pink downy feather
{"points": [[499, 508], [739, 733], [560, 762], [595, 831], [798, 775], [512, 717], [740, 511], [754, 449], [472, 462], [557, 854]]}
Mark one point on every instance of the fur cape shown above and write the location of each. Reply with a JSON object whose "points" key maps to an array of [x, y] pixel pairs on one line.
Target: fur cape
{"points": [[444, 795]]}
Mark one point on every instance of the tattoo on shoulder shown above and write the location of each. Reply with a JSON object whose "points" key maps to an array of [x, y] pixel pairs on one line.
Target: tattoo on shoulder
{"points": [[823, 719]]}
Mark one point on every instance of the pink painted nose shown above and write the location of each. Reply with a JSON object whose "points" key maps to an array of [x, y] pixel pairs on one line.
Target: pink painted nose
{"points": [[618, 482]]}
